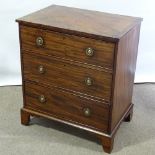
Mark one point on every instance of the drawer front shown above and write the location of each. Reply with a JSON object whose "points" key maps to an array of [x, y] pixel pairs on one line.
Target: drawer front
{"points": [[66, 106], [70, 76], [76, 48]]}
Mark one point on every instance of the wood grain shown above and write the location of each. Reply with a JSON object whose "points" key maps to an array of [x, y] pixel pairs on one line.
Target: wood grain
{"points": [[81, 22], [107, 143], [25, 117], [66, 106], [124, 74], [68, 46], [67, 33], [66, 75]]}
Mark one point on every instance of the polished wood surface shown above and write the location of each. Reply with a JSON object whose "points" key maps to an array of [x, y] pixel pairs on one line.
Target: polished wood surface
{"points": [[67, 106], [68, 46], [81, 22], [124, 74], [107, 143], [25, 117], [66, 75], [79, 73]]}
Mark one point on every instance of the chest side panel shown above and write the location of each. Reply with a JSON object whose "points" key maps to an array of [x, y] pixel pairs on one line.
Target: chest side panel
{"points": [[125, 65]]}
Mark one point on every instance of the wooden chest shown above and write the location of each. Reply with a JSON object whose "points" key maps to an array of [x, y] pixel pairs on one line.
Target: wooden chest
{"points": [[78, 68]]}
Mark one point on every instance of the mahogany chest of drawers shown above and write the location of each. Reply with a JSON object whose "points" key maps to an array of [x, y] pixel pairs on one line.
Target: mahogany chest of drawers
{"points": [[78, 68]]}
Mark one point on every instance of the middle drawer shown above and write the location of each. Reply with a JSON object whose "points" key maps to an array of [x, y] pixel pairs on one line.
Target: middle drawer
{"points": [[53, 71]]}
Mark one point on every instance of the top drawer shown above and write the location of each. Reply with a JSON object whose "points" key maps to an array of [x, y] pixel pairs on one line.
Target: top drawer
{"points": [[76, 48]]}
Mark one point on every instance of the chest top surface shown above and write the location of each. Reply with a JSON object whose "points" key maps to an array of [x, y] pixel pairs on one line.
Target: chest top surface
{"points": [[82, 22]]}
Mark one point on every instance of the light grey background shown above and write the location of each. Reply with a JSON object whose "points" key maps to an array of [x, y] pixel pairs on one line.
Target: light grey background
{"points": [[13, 9]]}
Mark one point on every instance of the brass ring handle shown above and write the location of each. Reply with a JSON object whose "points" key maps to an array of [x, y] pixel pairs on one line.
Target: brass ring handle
{"points": [[41, 69], [87, 112], [88, 81], [89, 52], [42, 99], [39, 41]]}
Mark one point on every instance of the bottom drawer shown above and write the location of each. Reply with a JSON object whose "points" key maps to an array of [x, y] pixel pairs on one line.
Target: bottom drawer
{"points": [[67, 106]]}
